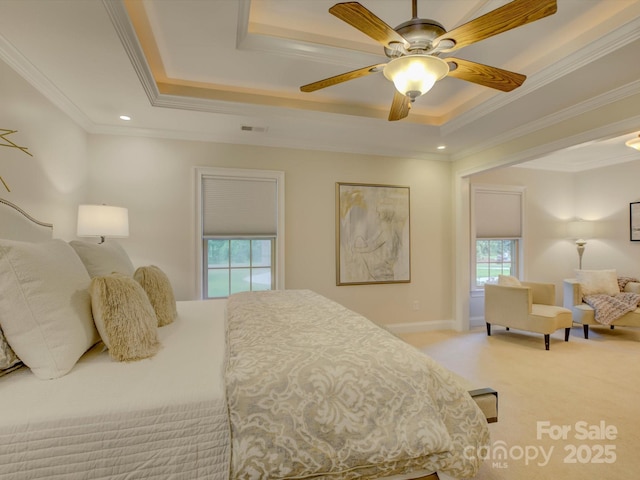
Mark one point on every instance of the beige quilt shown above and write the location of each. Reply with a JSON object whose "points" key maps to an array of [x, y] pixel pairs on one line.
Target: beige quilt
{"points": [[315, 390]]}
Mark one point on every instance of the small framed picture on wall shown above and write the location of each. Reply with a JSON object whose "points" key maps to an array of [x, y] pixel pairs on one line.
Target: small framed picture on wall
{"points": [[634, 221]]}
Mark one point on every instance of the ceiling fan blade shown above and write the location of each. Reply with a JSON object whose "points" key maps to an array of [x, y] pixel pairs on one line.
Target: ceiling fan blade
{"points": [[507, 17], [364, 20], [343, 77], [485, 75], [400, 107]]}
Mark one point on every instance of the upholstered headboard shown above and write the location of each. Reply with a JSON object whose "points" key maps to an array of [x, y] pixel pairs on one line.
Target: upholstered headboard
{"points": [[16, 224]]}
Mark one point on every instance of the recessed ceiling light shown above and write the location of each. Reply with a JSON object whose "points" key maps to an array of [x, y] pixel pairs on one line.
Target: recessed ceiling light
{"points": [[441, 147], [125, 117]]}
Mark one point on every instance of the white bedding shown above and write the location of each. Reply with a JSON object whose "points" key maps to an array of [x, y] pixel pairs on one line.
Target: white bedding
{"points": [[162, 418]]}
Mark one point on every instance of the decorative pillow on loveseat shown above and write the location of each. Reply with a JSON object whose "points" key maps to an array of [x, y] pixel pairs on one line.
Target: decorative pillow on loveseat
{"points": [[102, 259], [158, 287], [508, 281], [45, 308], [124, 317], [593, 282]]}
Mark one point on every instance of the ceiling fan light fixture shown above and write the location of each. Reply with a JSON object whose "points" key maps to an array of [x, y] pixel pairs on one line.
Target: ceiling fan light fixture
{"points": [[414, 75], [633, 143]]}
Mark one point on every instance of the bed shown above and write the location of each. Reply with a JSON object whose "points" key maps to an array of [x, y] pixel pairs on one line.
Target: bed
{"points": [[283, 384]]}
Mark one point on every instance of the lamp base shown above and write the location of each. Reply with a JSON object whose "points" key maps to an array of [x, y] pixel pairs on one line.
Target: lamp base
{"points": [[580, 247]]}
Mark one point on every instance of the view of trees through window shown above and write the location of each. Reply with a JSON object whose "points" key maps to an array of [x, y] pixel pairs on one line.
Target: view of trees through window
{"points": [[495, 257], [238, 265]]}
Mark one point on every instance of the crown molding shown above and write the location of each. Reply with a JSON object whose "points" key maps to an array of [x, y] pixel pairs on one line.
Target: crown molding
{"points": [[597, 49], [575, 167], [127, 35], [565, 114], [12, 57], [540, 151]]}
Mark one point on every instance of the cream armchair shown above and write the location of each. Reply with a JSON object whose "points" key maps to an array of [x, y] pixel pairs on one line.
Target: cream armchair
{"points": [[530, 307]]}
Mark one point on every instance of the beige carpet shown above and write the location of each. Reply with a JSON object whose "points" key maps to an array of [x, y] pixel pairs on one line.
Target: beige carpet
{"points": [[579, 386]]}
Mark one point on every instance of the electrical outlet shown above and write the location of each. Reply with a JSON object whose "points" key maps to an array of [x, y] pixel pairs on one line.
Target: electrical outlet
{"points": [[416, 305]]}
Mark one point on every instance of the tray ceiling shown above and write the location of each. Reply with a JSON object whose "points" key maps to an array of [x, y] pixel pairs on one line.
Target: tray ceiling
{"points": [[210, 70]]}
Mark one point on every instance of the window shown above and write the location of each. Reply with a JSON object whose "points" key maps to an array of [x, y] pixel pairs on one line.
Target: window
{"points": [[238, 265], [497, 233], [240, 218], [495, 257]]}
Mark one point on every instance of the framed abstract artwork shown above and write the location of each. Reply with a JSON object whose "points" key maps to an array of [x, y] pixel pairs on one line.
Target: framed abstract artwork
{"points": [[372, 234], [634, 221]]}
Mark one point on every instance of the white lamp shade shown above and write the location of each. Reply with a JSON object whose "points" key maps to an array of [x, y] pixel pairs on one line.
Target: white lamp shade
{"points": [[103, 221], [414, 75]]}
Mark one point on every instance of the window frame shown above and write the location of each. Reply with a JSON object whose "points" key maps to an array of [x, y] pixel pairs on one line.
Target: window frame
{"points": [[515, 261], [519, 257], [278, 262], [230, 267]]}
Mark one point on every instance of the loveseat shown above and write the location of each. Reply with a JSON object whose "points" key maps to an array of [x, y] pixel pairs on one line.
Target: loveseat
{"points": [[528, 306], [584, 314]]}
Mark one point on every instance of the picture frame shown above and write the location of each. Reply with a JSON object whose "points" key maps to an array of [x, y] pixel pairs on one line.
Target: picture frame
{"points": [[373, 234], [634, 221]]}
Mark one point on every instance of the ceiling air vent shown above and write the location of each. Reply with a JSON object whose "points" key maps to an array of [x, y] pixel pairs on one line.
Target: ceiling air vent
{"points": [[249, 128]]}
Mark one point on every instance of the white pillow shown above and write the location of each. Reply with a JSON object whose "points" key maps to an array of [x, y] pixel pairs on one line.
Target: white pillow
{"points": [[102, 259], [593, 282], [508, 281], [45, 308]]}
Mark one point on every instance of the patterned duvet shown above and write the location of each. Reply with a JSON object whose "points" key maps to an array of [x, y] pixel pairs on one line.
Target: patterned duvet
{"points": [[315, 390]]}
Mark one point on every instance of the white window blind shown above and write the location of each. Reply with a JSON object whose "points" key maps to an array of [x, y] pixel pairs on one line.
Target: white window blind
{"points": [[498, 214], [239, 206]]}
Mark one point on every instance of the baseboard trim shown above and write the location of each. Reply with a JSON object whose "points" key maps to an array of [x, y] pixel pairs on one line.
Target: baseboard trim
{"points": [[414, 327], [476, 322]]}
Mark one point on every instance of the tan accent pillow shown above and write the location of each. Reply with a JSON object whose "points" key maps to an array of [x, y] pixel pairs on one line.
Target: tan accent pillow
{"points": [[124, 317], [593, 282], [508, 281], [158, 287], [8, 359], [102, 259]]}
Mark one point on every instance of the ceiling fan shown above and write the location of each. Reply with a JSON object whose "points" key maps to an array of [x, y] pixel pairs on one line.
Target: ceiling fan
{"points": [[415, 46]]}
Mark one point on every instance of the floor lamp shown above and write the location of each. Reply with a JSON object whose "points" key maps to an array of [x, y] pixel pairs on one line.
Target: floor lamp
{"points": [[579, 230]]}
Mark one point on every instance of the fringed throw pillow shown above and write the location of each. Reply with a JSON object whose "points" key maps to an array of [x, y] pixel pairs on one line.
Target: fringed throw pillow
{"points": [[158, 287], [9, 361], [124, 317]]}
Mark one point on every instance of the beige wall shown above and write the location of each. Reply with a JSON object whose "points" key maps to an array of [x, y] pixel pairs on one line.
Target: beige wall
{"points": [[50, 183], [154, 178], [549, 203], [601, 195]]}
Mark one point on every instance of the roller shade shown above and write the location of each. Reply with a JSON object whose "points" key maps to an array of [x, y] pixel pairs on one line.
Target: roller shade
{"points": [[498, 214], [239, 206]]}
